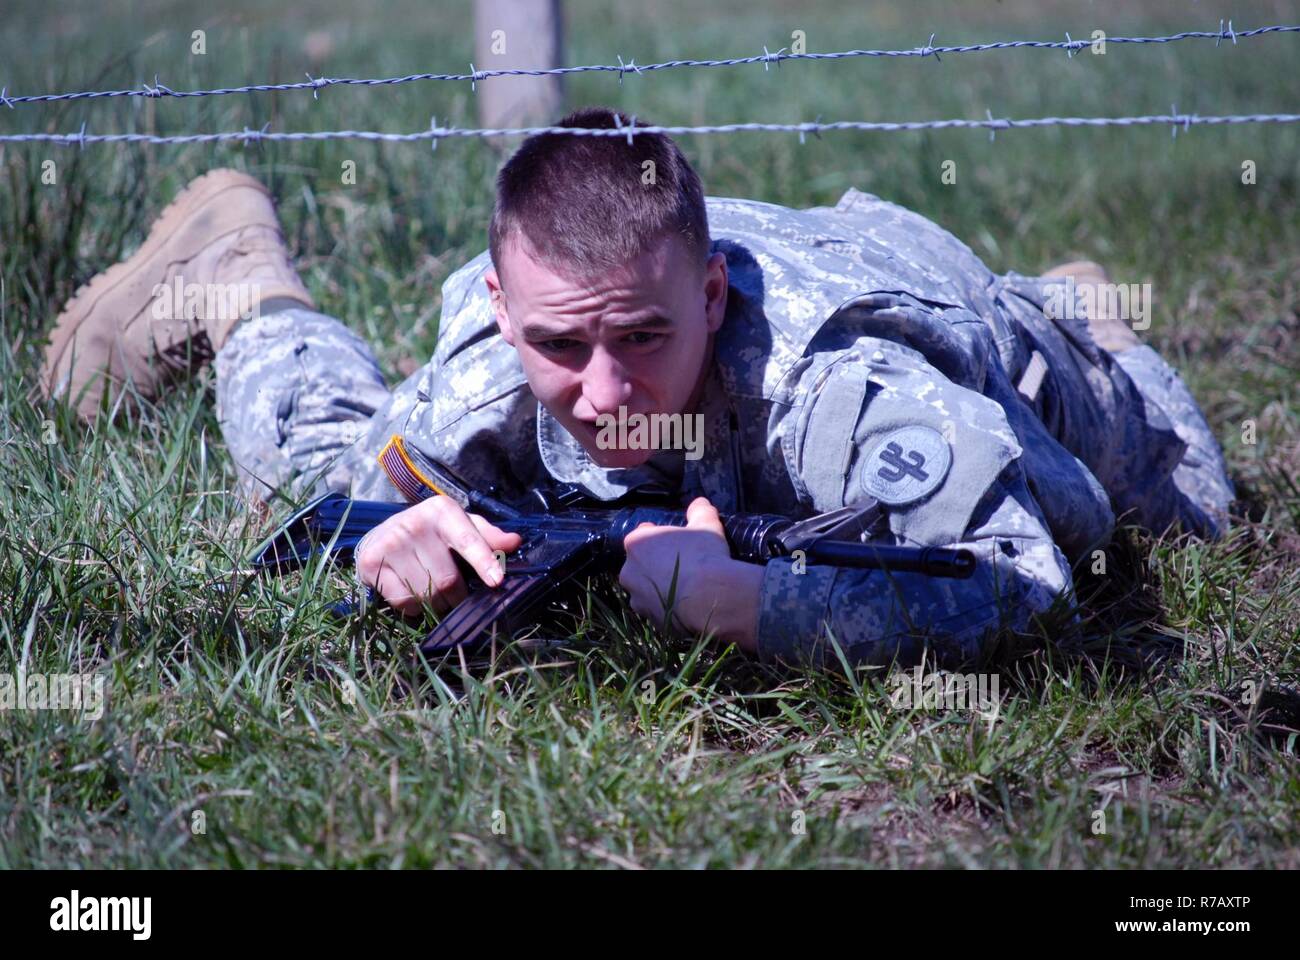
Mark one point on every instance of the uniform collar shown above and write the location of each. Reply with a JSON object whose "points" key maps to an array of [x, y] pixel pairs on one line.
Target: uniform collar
{"points": [[567, 461], [714, 475]]}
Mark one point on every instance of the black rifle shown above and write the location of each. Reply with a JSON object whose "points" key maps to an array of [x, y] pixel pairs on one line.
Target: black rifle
{"points": [[567, 536]]}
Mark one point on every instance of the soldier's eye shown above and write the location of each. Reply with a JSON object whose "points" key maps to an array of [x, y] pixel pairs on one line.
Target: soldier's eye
{"points": [[558, 345], [645, 336]]}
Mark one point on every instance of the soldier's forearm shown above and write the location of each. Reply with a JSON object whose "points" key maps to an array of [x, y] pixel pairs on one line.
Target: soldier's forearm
{"points": [[880, 617]]}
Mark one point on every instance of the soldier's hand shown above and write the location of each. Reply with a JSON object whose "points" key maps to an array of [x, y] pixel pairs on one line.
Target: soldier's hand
{"points": [[714, 591], [409, 560]]}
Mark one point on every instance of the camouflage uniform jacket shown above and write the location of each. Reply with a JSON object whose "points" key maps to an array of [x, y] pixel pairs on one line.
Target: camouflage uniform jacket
{"points": [[844, 326]]}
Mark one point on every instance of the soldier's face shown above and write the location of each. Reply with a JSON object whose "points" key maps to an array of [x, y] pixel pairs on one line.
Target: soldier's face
{"points": [[632, 341]]}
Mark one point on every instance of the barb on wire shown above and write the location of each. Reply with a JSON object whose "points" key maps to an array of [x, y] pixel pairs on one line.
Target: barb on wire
{"points": [[992, 124], [435, 133], [157, 90], [257, 135], [1070, 46], [929, 49], [1185, 119], [810, 128], [623, 67], [316, 84], [630, 128]]}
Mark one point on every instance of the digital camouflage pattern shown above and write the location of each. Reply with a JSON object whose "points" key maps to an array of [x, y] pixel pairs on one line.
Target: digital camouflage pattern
{"points": [[855, 337]]}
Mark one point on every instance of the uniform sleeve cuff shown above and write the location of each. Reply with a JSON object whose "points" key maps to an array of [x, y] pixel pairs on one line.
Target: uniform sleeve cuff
{"points": [[794, 607]]}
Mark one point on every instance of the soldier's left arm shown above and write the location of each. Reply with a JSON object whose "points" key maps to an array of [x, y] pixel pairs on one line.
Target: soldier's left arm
{"points": [[877, 420]]}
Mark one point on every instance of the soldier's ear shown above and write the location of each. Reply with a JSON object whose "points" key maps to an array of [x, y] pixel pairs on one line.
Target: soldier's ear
{"points": [[498, 298], [715, 291]]}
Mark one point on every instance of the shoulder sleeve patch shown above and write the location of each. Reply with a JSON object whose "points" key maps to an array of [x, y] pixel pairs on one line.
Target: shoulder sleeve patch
{"points": [[906, 465]]}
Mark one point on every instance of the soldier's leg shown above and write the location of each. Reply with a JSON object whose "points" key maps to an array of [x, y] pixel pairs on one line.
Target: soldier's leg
{"points": [[1198, 493], [296, 390], [1202, 491]]}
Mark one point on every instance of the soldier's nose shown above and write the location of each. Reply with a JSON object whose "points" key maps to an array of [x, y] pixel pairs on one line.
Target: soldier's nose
{"points": [[608, 397], [606, 386]]}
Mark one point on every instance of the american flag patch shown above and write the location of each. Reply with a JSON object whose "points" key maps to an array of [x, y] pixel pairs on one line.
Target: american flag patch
{"points": [[402, 472]]}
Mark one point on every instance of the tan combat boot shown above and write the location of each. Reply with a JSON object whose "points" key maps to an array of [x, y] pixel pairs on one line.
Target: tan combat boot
{"points": [[1110, 333], [210, 258]]}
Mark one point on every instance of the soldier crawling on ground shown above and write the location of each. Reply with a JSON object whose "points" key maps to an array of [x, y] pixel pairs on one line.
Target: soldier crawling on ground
{"points": [[836, 355]]}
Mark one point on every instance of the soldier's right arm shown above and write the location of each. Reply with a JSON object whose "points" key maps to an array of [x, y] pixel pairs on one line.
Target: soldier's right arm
{"points": [[465, 409], [409, 558]]}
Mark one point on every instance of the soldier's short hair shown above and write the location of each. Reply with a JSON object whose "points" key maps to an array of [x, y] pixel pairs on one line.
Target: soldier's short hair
{"points": [[587, 204]]}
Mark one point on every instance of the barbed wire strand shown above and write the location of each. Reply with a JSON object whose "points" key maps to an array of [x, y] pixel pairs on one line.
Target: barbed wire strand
{"points": [[436, 133], [316, 84]]}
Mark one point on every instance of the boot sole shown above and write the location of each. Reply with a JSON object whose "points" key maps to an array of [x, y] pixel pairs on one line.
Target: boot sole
{"points": [[199, 192]]}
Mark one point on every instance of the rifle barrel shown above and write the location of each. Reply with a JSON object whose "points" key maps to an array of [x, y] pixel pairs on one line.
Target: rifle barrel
{"points": [[931, 561]]}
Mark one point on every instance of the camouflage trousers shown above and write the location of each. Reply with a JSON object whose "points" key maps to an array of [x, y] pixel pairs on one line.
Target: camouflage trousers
{"points": [[297, 395], [304, 409], [1199, 492]]}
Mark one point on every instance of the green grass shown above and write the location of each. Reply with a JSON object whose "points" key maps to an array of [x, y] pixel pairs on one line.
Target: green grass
{"points": [[234, 697]]}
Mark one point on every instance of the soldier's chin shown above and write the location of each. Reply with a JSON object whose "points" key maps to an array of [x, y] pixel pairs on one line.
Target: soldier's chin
{"points": [[614, 459]]}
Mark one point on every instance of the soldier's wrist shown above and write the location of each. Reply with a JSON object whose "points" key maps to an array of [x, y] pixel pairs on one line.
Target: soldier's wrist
{"points": [[738, 589]]}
